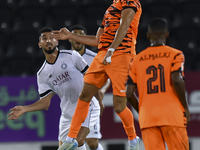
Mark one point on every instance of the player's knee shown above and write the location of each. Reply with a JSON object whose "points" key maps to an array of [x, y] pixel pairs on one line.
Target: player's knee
{"points": [[93, 144], [119, 104], [80, 141], [118, 108], [85, 97]]}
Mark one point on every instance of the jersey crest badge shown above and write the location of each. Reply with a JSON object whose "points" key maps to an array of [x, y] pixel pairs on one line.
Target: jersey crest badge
{"points": [[64, 66]]}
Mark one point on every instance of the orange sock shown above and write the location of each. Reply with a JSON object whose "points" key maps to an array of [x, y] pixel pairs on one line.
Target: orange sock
{"points": [[127, 120], [80, 115]]}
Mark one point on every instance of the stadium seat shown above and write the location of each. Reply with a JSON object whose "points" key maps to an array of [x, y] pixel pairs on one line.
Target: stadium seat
{"points": [[91, 24], [65, 3], [185, 45], [32, 3], [57, 23], [21, 50], [90, 20], [105, 3], [190, 61], [159, 10], [185, 20], [27, 25], [26, 13], [190, 7], [189, 32], [18, 67]]}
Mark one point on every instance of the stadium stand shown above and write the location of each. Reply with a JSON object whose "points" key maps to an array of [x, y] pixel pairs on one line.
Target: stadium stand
{"points": [[20, 21]]}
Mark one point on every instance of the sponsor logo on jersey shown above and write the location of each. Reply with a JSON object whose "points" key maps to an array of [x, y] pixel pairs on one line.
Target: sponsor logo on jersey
{"points": [[60, 79]]}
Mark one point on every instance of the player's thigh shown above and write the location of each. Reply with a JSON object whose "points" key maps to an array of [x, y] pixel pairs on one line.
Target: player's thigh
{"points": [[95, 130], [64, 125], [176, 137], [96, 74], [153, 139], [92, 142], [118, 73]]}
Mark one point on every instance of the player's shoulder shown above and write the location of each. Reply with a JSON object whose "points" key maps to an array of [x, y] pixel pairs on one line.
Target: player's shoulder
{"points": [[89, 53], [65, 51], [71, 53], [41, 68], [143, 52]]}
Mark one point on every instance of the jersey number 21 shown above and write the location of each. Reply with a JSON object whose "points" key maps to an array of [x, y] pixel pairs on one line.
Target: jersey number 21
{"points": [[152, 69]]}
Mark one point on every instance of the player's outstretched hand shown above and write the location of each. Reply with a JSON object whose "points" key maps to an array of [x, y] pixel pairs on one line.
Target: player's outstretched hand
{"points": [[62, 34], [16, 112]]}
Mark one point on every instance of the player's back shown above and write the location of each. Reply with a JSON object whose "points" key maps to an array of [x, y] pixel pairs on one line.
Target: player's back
{"points": [[158, 102], [111, 23]]}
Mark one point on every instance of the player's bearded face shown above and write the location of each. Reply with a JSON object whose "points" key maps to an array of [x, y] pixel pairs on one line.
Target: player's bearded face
{"points": [[50, 48], [77, 46], [47, 43]]}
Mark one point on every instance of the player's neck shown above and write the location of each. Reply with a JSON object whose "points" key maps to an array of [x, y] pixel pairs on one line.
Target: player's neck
{"points": [[82, 51], [157, 43], [52, 57]]}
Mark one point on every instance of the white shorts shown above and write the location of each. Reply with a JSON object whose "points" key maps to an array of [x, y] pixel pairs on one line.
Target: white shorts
{"points": [[92, 122]]}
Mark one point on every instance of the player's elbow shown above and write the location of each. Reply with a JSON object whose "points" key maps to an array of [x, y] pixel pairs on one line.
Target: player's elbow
{"points": [[47, 108], [177, 78]]}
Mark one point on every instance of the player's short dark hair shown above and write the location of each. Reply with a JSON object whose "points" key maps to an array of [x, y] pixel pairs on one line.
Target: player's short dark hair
{"points": [[158, 24], [78, 27], [45, 29]]}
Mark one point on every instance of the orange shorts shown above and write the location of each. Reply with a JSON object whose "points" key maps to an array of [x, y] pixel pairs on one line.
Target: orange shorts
{"points": [[117, 71], [176, 138]]}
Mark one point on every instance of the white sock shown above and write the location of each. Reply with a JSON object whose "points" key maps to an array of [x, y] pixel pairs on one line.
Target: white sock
{"points": [[69, 139], [132, 142], [82, 147]]}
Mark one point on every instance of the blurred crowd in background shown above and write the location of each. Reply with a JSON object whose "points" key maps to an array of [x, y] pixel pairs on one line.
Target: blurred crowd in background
{"points": [[20, 21]]}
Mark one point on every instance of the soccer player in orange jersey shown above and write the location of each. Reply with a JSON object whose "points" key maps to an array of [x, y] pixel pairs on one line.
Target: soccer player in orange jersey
{"points": [[115, 39], [157, 73]]}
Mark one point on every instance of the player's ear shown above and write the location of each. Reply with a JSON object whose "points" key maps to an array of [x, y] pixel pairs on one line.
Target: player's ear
{"points": [[57, 42], [167, 34], [39, 45], [148, 35]]}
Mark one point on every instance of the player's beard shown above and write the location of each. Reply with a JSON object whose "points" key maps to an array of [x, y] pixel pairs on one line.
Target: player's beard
{"points": [[50, 51]]}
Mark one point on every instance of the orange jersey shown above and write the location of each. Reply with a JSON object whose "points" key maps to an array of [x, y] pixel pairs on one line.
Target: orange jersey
{"points": [[151, 70], [111, 23]]}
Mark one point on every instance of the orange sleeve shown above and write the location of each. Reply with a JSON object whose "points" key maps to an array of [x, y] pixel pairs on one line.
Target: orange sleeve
{"points": [[130, 4], [178, 63]]}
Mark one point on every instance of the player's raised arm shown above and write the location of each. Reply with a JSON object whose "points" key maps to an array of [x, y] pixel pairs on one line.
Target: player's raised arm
{"points": [[17, 111], [64, 34]]}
